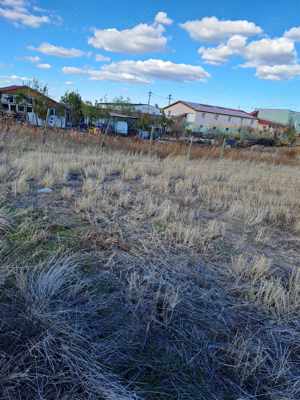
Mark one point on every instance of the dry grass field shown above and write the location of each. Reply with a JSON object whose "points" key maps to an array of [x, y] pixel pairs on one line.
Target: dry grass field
{"points": [[143, 274]]}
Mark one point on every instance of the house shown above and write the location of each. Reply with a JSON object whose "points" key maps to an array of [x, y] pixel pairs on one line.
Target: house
{"points": [[280, 116], [23, 106], [204, 118]]}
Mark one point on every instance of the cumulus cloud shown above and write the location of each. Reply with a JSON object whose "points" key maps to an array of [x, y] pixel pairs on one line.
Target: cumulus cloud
{"points": [[44, 66], [142, 38], [143, 71], [220, 54], [58, 51], [20, 12], [212, 29], [278, 51], [9, 79], [278, 72], [293, 34], [102, 58], [162, 18]]}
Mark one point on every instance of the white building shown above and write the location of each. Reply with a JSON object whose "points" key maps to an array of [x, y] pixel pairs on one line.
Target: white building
{"points": [[203, 117]]}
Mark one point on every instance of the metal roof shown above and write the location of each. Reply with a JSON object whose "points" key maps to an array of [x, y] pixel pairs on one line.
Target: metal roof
{"points": [[116, 115], [206, 108]]}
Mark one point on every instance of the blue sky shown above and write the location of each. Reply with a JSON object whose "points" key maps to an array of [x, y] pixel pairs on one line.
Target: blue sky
{"points": [[232, 53]]}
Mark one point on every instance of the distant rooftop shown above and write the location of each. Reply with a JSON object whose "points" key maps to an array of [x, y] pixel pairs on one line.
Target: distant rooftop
{"points": [[214, 109], [277, 109]]}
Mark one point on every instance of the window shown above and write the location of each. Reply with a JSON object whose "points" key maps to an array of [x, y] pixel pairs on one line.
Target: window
{"points": [[216, 117], [252, 121], [229, 119], [214, 128], [5, 106], [13, 108], [203, 115], [227, 129], [51, 112], [21, 108], [29, 109], [10, 99]]}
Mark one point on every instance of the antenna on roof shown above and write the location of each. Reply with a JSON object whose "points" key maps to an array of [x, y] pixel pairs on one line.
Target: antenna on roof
{"points": [[170, 98]]}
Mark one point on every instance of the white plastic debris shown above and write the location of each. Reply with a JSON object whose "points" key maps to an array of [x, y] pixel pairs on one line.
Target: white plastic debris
{"points": [[45, 190]]}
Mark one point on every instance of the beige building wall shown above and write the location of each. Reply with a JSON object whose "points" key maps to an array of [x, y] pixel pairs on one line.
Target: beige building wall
{"points": [[210, 120]]}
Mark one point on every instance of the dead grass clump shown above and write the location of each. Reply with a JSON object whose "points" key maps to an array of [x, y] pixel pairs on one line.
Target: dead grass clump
{"points": [[255, 279], [6, 221], [47, 343]]}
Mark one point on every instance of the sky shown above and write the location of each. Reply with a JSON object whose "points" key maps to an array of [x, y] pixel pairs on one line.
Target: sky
{"points": [[228, 53]]}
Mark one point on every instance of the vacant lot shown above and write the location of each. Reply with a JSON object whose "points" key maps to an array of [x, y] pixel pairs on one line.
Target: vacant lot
{"points": [[131, 276]]}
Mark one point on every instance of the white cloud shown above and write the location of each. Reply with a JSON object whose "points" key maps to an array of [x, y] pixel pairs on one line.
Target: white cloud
{"points": [[13, 3], [20, 12], [142, 38], [211, 29], [279, 51], [74, 70], [9, 79], [58, 51], [24, 18], [162, 18], [69, 83], [33, 59], [220, 54], [278, 72], [143, 72], [44, 66], [293, 34], [101, 58]]}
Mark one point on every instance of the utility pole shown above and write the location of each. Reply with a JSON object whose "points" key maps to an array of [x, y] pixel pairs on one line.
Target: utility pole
{"points": [[170, 98], [149, 100]]}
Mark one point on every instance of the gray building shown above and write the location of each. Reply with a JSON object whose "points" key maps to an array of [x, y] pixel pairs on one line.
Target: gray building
{"points": [[280, 116]]}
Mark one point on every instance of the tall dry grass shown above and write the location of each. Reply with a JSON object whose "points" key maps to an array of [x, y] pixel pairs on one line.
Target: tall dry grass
{"points": [[181, 279]]}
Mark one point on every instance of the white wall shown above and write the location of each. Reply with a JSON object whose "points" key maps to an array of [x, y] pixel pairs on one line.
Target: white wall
{"points": [[53, 121], [210, 120]]}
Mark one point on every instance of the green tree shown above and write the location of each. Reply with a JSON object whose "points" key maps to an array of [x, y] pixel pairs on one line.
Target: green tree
{"points": [[145, 122], [41, 104], [291, 132], [72, 100], [123, 104], [61, 113]]}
